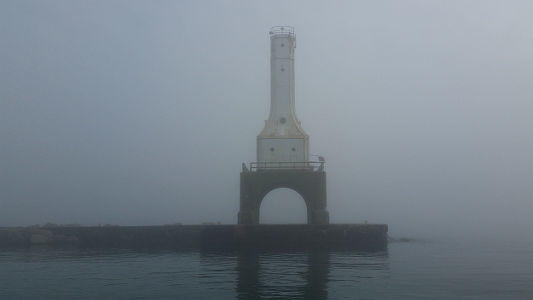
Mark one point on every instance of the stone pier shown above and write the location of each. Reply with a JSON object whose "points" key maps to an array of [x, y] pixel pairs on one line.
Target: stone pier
{"points": [[203, 237]]}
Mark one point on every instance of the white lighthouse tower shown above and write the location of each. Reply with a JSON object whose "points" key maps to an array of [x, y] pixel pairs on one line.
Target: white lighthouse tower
{"points": [[283, 140], [283, 146]]}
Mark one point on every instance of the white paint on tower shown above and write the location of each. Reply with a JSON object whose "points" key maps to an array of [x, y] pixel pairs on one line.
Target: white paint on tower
{"points": [[282, 139]]}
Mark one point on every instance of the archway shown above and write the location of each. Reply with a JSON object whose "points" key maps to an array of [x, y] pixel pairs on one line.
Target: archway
{"points": [[283, 206], [310, 184]]}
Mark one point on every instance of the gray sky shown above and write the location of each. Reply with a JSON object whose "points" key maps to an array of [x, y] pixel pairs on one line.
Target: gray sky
{"points": [[141, 112]]}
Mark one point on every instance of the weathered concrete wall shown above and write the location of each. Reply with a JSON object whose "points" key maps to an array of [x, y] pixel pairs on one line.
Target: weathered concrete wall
{"points": [[333, 236], [311, 185], [337, 236]]}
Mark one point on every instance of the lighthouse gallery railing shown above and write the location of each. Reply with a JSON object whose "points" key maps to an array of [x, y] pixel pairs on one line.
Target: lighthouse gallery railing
{"points": [[310, 165]]}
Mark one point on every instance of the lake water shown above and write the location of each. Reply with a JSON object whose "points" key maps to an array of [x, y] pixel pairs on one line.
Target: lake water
{"points": [[441, 269]]}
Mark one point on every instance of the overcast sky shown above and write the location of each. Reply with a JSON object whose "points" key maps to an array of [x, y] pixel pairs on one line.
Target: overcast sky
{"points": [[141, 112]]}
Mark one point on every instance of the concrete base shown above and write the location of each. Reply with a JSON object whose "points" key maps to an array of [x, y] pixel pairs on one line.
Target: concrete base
{"points": [[206, 237], [311, 185]]}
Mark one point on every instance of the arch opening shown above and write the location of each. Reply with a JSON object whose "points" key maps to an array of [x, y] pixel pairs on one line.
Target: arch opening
{"points": [[283, 206]]}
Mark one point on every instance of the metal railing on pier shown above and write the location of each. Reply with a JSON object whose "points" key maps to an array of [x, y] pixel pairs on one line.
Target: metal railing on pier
{"points": [[301, 165]]}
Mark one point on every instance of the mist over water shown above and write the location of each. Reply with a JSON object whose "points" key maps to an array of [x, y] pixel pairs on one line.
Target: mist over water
{"points": [[139, 113]]}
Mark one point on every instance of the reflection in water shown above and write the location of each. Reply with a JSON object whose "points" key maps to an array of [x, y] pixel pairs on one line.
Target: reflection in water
{"points": [[317, 275], [93, 274], [300, 275], [427, 270], [247, 274]]}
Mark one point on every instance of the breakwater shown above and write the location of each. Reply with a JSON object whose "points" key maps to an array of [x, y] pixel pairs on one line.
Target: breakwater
{"points": [[283, 236]]}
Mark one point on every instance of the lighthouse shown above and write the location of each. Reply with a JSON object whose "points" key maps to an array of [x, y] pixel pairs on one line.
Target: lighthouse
{"points": [[282, 140], [283, 146]]}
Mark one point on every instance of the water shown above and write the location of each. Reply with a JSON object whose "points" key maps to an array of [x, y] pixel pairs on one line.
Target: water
{"points": [[443, 269]]}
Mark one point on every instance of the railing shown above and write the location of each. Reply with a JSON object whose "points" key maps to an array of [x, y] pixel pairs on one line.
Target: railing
{"points": [[267, 165], [282, 30]]}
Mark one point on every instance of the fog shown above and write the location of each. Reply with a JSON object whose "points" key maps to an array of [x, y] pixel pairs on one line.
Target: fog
{"points": [[140, 113]]}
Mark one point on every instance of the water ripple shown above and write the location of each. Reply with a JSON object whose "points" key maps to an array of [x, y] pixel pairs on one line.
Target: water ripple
{"points": [[406, 270]]}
